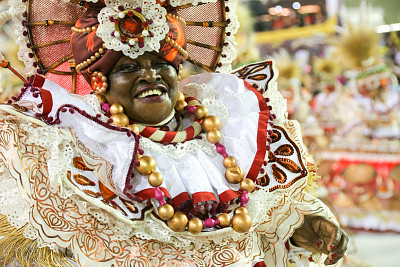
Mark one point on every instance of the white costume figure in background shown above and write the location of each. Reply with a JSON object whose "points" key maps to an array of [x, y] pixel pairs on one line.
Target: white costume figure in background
{"points": [[122, 193]]}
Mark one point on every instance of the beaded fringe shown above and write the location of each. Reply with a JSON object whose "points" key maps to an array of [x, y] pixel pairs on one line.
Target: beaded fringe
{"points": [[14, 247], [313, 177]]}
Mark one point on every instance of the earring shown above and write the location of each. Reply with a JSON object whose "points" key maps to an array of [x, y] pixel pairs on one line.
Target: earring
{"points": [[99, 82], [180, 72]]}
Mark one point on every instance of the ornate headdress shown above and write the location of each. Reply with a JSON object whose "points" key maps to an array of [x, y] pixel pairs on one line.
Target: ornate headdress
{"points": [[199, 31], [359, 49]]}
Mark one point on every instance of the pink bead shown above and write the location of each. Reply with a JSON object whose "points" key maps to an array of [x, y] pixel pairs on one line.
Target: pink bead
{"points": [[209, 223], [105, 107], [244, 199], [190, 109], [221, 149], [159, 195]]}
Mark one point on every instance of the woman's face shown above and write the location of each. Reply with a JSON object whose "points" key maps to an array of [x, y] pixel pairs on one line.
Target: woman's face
{"points": [[147, 88]]}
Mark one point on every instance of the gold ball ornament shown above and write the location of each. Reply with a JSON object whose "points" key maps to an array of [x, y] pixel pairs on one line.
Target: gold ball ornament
{"points": [[234, 175], [247, 185], [241, 223], [201, 112], [180, 106], [166, 212], [155, 179], [134, 128], [211, 123], [229, 162], [116, 109], [213, 136], [101, 98], [224, 220], [120, 120], [195, 226], [181, 97], [241, 210], [178, 222], [147, 165]]}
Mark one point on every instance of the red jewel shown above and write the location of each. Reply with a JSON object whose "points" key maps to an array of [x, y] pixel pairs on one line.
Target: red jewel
{"points": [[141, 45], [123, 38], [131, 25], [130, 13], [138, 9], [144, 24], [140, 39]]}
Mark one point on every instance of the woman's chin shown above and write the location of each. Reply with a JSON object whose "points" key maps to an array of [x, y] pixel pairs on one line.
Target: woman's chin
{"points": [[151, 112]]}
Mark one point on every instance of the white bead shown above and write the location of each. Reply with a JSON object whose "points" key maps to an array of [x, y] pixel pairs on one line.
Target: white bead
{"points": [[132, 42], [116, 34], [121, 15], [145, 33]]}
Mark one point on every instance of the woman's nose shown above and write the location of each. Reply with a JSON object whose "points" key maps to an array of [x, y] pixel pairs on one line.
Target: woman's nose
{"points": [[150, 75]]}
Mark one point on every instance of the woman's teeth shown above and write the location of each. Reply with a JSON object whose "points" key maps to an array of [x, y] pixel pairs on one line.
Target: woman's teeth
{"points": [[150, 92]]}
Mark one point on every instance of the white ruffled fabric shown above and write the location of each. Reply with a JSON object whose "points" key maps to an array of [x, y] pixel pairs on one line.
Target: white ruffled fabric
{"points": [[275, 214]]}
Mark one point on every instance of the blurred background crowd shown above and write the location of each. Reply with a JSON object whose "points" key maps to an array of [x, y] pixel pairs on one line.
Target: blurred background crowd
{"points": [[339, 70]]}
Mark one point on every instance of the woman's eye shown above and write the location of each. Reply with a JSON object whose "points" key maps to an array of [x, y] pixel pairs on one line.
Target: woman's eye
{"points": [[160, 64], [128, 68]]}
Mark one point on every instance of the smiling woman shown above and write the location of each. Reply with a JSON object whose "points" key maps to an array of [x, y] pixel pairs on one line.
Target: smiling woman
{"points": [[146, 171], [147, 88]]}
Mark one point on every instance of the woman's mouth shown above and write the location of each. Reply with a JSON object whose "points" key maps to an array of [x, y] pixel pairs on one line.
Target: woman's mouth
{"points": [[151, 93]]}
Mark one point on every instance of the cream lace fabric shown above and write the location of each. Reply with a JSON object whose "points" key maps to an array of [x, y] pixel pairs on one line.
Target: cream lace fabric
{"points": [[40, 167]]}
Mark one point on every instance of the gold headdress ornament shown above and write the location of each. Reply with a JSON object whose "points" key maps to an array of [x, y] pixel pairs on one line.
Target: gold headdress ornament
{"points": [[357, 44], [288, 67], [327, 69], [358, 47]]}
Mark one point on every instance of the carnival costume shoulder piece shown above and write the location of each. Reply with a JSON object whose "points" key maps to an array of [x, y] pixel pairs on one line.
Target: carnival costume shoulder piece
{"points": [[220, 182]]}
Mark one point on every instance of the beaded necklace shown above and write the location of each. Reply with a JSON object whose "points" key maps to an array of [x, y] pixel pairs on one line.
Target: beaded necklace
{"points": [[146, 165]]}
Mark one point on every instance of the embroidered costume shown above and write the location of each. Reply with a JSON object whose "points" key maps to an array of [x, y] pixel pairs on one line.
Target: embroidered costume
{"points": [[76, 175]]}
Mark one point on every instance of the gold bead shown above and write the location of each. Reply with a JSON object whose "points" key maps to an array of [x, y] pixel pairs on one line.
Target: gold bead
{"points": [[167, 39], [241, 223], [180, 106], [224, 220], [93, 58], [201, 112], [101, 98], [94, 28], [234, 175], [119, 119], [211, 123], [147, 165], [97, 54], [178, 222], [166, 212], [247, 185], [213, 136], [88, 61], [229, 161], [195, 226], [116, 109], [241, 210], [155, 179], [181, 97], [103, 78], [101, 50], [134, 128]]}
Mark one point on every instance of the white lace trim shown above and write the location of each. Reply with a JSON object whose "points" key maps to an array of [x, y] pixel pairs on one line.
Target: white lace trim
{"points": [[150, 10], [17, 8], [229, 50], [185, 2]]}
